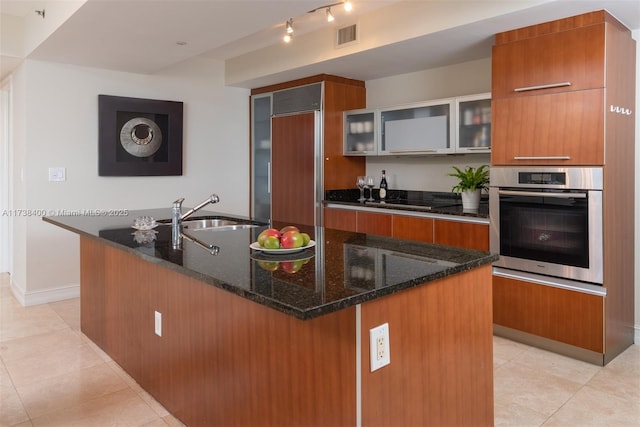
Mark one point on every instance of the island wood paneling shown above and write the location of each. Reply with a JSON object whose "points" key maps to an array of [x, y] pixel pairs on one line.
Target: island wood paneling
{"points": [[571, 317], [221, 360], [441, 371]]}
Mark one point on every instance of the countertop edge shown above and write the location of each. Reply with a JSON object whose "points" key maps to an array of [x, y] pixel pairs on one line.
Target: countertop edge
{"points": [[301, 314]]}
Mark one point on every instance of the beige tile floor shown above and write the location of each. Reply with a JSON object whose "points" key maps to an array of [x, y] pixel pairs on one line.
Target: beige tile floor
{"points": [[52, 375]]}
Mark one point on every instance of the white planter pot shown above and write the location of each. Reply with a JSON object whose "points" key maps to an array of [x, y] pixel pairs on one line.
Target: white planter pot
{"points": [[470, 200]]}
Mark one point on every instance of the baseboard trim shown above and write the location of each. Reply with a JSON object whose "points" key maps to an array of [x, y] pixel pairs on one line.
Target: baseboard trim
{"points": [[636, 335], [45, 296], [550, 345]]}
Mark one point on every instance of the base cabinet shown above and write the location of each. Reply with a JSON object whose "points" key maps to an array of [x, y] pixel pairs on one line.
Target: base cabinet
{"points": [[451, 233], [562, 315], [462, 234]]}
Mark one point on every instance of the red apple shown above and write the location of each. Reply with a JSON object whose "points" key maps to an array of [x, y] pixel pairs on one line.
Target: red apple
{"points": [[291, 240], [291, 266], [289, 228], [266, 233]]}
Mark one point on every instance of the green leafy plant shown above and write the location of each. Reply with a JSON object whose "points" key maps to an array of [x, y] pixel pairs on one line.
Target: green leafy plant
{"points": [[470, 178]]}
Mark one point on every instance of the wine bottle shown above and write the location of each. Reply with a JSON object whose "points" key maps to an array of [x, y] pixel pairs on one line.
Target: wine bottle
{"points": [[383, 186]]}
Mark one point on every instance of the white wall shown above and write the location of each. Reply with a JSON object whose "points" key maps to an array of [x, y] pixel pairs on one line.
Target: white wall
{"points": [[57, 125], [427, 173]]}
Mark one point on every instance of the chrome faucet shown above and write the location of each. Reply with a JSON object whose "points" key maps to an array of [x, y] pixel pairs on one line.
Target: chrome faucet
{"points": [[177, 217]]}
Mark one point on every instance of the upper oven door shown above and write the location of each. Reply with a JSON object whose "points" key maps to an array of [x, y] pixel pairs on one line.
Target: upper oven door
{"points": [[552, 232]]}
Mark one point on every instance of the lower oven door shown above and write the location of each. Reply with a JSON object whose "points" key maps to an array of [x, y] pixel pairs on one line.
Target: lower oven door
{"points": [[555, 233]]}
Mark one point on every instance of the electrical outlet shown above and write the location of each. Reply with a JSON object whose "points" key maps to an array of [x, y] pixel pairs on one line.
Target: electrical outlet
{"points": [[379, 346], [158, 323]]}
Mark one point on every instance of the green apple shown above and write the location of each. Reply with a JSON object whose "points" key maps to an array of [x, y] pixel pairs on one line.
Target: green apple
{"points": [[271, 242], [266, 233]]}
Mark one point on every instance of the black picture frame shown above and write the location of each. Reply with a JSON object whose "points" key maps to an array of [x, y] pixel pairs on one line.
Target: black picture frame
{"points": [[139, 137]]}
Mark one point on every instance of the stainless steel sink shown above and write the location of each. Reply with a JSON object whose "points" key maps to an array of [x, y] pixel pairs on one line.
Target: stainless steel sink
{"points": [[214, 223]]}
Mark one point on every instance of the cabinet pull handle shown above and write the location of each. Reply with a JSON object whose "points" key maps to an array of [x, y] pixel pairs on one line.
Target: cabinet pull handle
{"points": [[411, 151], [268, 177], [542, 194], [549, 86], [541, 157], [476, 148]]}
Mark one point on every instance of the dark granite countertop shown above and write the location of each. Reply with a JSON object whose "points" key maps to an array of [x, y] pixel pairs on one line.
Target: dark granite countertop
{"points": [[430, 202], [342, 270]]}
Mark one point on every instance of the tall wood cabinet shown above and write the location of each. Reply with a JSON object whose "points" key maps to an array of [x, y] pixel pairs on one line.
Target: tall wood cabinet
{"points": [[554, 86], [290, 166], [563, 94]]}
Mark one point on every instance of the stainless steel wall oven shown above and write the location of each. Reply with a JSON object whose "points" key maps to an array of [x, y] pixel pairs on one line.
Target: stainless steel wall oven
{"points": [[548, 221]]}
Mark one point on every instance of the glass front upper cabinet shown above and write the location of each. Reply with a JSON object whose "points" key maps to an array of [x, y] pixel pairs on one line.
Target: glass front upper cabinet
{"points": [[425, 128], [360, 130], [474, 123]]}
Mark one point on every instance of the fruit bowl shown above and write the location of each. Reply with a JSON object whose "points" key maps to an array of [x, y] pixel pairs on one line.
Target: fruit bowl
{"points": [[256, 246]]}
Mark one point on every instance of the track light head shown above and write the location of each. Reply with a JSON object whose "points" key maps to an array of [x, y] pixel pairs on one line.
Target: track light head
{"points": [[348, 6], [330, 17]]}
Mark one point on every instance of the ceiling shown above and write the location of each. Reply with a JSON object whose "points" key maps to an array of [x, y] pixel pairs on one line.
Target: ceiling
{"points": [[142, 36]]}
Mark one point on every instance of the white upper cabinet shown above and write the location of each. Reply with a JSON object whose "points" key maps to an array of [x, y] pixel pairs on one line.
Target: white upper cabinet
{"points": [[360, 134], [445, 126], [424, 128], [473, 123]]}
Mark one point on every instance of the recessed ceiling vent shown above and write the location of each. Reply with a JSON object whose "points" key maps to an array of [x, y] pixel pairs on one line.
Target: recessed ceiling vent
{"points": [[347, 35]]}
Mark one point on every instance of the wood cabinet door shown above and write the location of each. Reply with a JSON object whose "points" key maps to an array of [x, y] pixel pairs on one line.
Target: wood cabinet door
{"points": [[562, 315], [292, 169], [374, 223], [556, 129], [462, 234], [571, 60], [412, 228], [340, 219]]}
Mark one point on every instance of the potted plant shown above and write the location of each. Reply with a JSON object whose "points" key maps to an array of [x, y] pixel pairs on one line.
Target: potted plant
{"points": [[471, 181]]}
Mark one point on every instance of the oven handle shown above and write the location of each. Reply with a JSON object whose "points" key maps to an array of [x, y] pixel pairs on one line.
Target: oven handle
{"points": [[540, 194]]}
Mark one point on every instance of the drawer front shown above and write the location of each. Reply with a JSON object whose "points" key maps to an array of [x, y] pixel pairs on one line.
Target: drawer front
{"points": [[562, 315]]}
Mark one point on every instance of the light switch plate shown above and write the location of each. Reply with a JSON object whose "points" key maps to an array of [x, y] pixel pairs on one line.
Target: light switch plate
{"points": [[57, 174]]}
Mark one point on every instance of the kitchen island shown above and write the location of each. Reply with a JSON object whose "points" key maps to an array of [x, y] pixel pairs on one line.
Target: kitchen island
{"points": [[221, 334]]}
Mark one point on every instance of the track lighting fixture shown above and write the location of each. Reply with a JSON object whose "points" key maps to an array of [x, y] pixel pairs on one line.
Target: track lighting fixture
{"points": [[347, 4], [288, 31], [330, 17]]}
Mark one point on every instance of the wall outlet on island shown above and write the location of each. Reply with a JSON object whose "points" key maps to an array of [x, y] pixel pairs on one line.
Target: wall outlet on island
{"points": [[379, 346]]}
